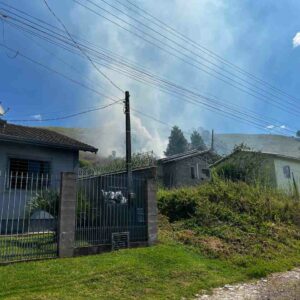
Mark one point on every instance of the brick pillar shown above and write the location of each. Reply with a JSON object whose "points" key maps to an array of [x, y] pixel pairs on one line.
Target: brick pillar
{"points": [[67, 215], [151, 211]]}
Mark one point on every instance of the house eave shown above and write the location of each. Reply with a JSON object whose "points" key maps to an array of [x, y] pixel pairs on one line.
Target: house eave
{"points": [[182, 156], [19, 140]]}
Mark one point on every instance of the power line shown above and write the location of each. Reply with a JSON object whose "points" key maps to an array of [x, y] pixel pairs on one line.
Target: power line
{"points": [[67, 116], [79, 48], [162, 122], [200, 47], [105, 58], [209, 106], [189, 60], [215, 108], [57, 72], [158, 32]]}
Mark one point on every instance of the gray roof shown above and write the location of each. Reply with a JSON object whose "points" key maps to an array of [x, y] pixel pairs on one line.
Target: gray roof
{"points": [[183, 155], [258, 152], [40, 137]]}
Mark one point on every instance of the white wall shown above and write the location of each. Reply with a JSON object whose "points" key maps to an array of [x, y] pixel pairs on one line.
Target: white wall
{"points": [[283, 182]]}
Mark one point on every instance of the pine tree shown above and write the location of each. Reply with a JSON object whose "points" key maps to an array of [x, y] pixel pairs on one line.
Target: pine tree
{"points": [[197, 141], [177, 142]]}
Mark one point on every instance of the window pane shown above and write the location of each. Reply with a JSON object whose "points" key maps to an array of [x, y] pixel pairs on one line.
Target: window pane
{"points": [[30, 174]]}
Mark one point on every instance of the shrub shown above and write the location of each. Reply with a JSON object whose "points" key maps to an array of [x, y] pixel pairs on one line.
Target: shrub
{"points": [[49, 201], [244, 218]]}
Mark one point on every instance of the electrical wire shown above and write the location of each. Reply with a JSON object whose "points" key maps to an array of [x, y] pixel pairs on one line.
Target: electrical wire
{"points": [[291, 111], [187, 59], [158, 32], [148, 74], [67, 116], [212, 107], [163, 25], [209, 106], [82, 51], [57, 72]]}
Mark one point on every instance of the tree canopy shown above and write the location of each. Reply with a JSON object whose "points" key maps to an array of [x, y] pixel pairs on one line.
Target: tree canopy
{"points": [[197, 141], [177, 142]]}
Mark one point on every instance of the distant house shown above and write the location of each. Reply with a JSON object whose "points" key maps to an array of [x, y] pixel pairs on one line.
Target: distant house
{"points": [[31, 158], [185, 169], [273, 169]]}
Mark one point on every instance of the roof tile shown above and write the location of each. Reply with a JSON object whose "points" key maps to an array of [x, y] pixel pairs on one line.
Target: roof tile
{"points": [[40, 136]]}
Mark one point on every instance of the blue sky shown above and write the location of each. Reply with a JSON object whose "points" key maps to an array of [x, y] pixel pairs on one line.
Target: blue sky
{"points": [[255, 35]]}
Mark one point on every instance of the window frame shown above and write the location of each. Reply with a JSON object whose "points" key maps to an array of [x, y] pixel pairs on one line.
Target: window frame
{"points": [[25, 180]]}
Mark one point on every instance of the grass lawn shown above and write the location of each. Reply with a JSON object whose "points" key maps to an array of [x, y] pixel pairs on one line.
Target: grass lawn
{"points": [[166, 271], [210, 235], [27, 246]]}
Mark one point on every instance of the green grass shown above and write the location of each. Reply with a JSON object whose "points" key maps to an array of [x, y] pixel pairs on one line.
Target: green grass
{"points": [[26, 247], [218, 233], [169, 270]]}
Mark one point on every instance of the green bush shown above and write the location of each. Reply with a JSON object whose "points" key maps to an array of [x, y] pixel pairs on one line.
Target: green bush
{"points": [[48, 201], [227, 218], [229, 202], [45, 200]]}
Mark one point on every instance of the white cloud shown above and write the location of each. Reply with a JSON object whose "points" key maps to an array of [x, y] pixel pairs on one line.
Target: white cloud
{"points": [[37, 117], [270, 127], [296, 40]]}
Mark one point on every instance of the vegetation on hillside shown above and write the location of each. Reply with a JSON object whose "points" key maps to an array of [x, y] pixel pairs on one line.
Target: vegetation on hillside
{"points": [[118, 164], [234, 221]]}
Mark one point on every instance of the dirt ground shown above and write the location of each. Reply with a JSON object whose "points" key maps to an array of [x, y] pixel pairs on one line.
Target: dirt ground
{"points": [[279, 286]]}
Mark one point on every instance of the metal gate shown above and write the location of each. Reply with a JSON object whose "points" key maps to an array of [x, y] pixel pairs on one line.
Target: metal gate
{"points": [[103, 210], [28, 216]]}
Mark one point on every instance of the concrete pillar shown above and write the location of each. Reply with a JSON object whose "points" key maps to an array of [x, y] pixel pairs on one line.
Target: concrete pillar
{"points": [[67, 215], [152, 212]]}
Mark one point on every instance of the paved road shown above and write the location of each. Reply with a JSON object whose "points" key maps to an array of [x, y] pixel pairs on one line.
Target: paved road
{"points": [[279, 286]]}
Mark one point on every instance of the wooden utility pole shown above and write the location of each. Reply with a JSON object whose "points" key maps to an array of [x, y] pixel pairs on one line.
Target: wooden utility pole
{"points": [[128, 145], [212, 141]]}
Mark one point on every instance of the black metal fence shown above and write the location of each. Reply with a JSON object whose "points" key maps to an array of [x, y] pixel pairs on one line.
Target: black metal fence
{"points": [[28, 216], [104, 209], [31, 212]]}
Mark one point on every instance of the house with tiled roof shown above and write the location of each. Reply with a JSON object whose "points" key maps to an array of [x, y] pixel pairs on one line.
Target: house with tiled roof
{"points": [[271, 169], [32, 158], [185, 169]]}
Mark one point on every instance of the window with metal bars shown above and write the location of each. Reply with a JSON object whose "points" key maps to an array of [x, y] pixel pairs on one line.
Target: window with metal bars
{"points": [[29, 174]]}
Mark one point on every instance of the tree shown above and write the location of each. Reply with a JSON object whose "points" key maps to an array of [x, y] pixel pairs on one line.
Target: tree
{"points": [[298, 133], [197, 141], [241, 147], [177, 142]]}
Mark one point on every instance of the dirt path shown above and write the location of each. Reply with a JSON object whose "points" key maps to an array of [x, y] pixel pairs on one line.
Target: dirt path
{"points": [[279, 286]]}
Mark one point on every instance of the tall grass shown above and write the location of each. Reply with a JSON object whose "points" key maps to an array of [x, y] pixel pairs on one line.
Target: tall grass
{"points": [[228, 218]]}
